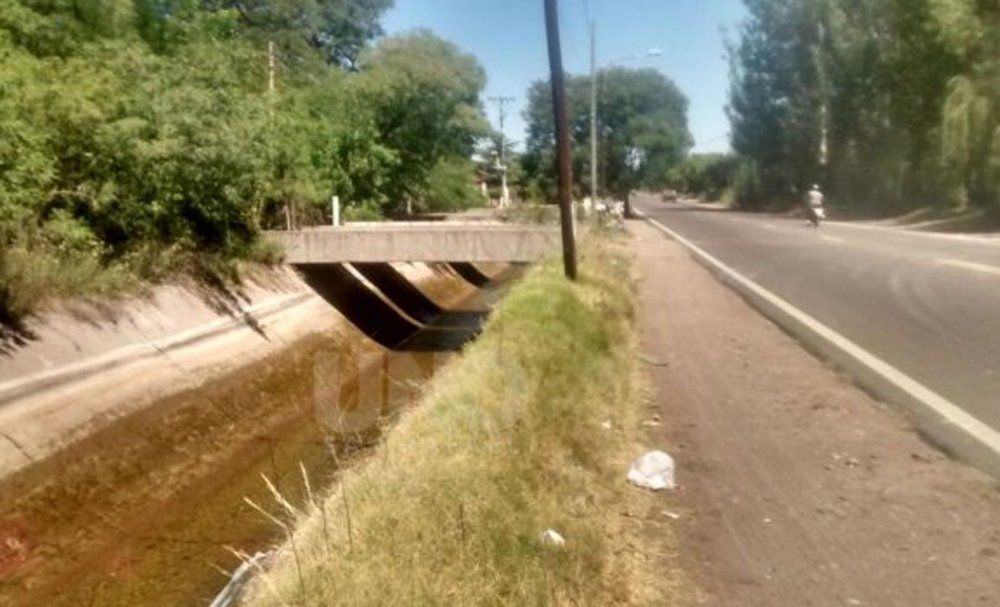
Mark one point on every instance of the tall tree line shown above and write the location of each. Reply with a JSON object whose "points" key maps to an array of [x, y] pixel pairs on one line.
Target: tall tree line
{"points": [[890, 104], [642, 132], [139, 136]]}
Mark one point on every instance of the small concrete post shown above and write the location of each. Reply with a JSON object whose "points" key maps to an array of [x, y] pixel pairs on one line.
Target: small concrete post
{"points": [[335, 207]]}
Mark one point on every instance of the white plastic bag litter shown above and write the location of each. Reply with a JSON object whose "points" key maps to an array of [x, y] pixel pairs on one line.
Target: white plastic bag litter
{"points": [[654, 470], [551, 537]]}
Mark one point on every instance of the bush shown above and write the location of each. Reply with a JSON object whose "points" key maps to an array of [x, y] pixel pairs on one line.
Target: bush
{"points": [[365, 211], [707, 176], [450, 187]]}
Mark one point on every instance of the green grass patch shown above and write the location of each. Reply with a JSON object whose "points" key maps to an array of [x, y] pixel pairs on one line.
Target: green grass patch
{"points": [[507, 442]]}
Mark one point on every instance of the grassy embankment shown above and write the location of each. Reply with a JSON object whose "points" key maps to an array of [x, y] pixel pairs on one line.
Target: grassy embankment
{"points": [[508, 442]]}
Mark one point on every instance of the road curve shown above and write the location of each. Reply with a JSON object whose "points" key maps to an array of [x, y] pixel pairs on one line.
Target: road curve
{"points": [[928, 305]]}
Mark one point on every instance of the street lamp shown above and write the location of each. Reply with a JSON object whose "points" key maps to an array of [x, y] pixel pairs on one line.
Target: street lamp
{"points": [[653, 52]]}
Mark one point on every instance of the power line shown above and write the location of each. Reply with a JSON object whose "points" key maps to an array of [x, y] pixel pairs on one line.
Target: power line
{"points": [[714, 139]]}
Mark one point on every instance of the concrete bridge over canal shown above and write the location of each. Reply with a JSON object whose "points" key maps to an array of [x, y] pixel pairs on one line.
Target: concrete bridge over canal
{"points": [[351, 267], [418, 241]]}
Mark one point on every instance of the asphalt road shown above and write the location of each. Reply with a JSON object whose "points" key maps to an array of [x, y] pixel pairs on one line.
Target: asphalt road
{"points": [[927, 304]]}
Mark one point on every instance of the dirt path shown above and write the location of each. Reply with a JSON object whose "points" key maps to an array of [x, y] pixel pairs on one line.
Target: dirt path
{"points": [[796, 488]]}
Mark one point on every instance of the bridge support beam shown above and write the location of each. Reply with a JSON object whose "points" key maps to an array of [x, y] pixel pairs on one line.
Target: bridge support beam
{"points": [[377, 313]]}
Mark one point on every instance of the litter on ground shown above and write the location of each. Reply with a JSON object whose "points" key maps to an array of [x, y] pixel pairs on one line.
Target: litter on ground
{"points": [[654, 470]]}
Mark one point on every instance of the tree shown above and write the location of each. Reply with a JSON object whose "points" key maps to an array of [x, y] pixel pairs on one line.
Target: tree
{"points": [[707, 176], [450, 186], [424, 96], [139, 138], [776, 98], [339, 29], [971, 117], [642, 130], [891, 104]]}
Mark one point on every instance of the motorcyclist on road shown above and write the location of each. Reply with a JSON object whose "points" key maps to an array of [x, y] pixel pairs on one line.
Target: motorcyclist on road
{"points": [[814, 205]]}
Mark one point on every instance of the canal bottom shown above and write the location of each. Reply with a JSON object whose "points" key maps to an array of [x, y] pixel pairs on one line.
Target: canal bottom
{"points": [[151, 509]]}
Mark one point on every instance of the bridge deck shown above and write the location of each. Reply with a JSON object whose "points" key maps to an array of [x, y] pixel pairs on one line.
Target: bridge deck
{"points": [[447, 241]]}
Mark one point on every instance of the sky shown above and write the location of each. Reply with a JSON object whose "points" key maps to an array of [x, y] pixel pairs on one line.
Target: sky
{"points": [[508, 38]]}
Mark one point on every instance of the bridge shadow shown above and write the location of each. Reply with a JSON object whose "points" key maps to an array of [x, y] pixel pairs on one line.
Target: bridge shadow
{"points": [[414, 303], [384, 313], [470, 273], [14, 335]]}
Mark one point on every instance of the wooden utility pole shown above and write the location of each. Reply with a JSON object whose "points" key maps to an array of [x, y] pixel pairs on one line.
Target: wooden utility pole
{"points": [[563, 150]]}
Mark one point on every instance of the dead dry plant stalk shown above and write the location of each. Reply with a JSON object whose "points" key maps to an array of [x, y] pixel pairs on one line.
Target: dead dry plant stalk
{"points": [[298, 566], [307, 486], [289, 534], [461, 522], [326, 529], [347, 516], [280, 499]]}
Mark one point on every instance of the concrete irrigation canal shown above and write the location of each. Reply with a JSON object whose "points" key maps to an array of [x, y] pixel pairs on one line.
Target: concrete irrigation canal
{"points": [[151, 506]]}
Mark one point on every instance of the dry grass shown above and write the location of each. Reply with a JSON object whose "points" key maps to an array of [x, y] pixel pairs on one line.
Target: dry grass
{"points": [[508, 442], [31, 276]]}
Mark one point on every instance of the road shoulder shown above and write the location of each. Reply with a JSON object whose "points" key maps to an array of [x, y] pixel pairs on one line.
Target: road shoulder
{"points": [[796, 487]]}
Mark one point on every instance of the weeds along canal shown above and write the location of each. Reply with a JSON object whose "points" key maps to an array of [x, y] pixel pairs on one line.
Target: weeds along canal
{"points": [[151, 509]]}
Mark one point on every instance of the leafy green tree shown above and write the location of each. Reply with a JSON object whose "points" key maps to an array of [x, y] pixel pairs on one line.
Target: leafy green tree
{"points": [[971, 116], [776, 97], [423, 94], [141, 137], [451, 187], [891, 104], [707, 176], [339, 29], [642, 131]]}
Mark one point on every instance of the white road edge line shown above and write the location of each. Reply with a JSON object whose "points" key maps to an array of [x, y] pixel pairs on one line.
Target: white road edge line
{"points": [[835, 239], [970, 265], [943, 421]]}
